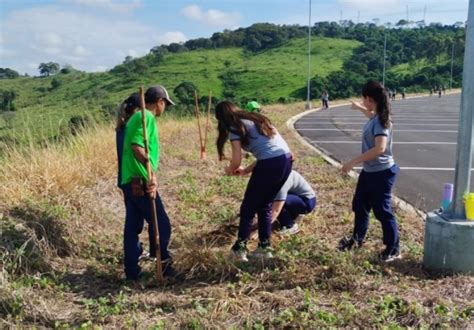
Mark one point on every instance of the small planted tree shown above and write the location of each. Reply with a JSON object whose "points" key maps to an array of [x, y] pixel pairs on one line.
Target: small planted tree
{"points": [[6, 100]]}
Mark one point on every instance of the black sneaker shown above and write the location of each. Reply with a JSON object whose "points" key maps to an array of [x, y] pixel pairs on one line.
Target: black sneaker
{"points": [[389, 255], [170, 272], [347, 243], [239, 251]]}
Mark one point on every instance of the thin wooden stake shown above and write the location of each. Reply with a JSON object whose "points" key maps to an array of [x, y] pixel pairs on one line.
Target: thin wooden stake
{"points": [[203, 151], [209, 101], [159, 270]]}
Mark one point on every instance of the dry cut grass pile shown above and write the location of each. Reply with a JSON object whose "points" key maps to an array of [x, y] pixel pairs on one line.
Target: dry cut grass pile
{"points": [[61, 218]]}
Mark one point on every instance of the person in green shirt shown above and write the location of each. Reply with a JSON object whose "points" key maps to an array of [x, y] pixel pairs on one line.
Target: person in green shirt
{"points": [[137, 187], [253, 106]]}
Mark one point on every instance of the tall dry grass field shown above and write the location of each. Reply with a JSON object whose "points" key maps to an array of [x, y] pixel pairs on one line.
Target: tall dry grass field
{"points": [[61, 247]]}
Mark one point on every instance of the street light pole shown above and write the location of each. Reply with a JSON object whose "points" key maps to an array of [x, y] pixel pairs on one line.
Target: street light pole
{"points": [[462, 178], [452, 63], [384, 58], [308, 94]]}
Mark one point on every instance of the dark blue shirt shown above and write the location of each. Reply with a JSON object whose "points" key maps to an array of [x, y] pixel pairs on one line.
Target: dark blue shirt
{"points": [[119, 139]]}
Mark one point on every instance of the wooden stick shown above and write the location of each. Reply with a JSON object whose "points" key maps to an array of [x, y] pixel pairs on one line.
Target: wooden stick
{"points": [[208, 119], [203, 151], [159, 270]]}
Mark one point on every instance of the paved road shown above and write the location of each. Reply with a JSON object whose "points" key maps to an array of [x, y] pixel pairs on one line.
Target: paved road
{"points": [[424, 142]]}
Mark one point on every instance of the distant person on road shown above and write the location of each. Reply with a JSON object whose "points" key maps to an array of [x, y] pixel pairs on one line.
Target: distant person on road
{"points": [[253, 106], [394, 94], [431, 92], [294, 199], [403, 93], [376, 180], [439, 92], [325, 99]]}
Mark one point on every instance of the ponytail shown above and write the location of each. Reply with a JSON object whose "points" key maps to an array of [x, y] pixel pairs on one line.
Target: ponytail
{"points": [[379, 94], [229, 119], [126, 110]]}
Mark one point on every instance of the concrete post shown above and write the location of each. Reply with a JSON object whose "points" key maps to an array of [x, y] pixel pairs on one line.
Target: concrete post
{"points": [[464, 147], [449, 237]]}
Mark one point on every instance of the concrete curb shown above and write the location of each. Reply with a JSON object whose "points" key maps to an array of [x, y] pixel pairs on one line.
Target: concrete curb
{"points": [[290, 123]]}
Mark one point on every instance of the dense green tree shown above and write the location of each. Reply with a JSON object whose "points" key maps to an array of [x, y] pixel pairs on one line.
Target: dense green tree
{"points": [[47, 69], [55, 83], [184, 92], [6, 100], [7, 73]]}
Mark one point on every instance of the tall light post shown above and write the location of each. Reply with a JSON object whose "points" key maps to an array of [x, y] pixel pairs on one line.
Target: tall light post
{"points": [[308, 95], [462, 175], [448, 235], [384, 58], [452, 63]]}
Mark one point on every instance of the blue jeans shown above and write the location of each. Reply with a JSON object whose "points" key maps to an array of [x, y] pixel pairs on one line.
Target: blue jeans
{"points": [[136, 210], [294, 206], [374, 192]]}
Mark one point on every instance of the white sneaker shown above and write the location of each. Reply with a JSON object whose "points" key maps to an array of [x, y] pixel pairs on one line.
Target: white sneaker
{"points": [[289, 231], [262, 253], [239, 255], [299, 217]]}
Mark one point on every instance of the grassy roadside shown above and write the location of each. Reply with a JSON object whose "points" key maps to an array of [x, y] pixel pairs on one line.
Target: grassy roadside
{"points": [[61, 222]]}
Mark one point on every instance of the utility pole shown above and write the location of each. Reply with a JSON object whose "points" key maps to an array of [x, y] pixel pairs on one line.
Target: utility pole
{"points": [[384, 58], [452, 63], [424, 15], [462, 178], [308, 96], [408, 21], [449, 235]]}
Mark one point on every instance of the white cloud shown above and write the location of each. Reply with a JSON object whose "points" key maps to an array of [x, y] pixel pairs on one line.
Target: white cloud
{"points": [[48, 39], [170, 37], [84, 40], [80, 51], [132, 53], [211, 17], [100, 68], [370, 4], [108, 5]]}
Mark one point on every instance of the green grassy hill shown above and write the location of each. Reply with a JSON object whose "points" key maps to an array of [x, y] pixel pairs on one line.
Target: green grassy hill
{"points": [[272, 74]]}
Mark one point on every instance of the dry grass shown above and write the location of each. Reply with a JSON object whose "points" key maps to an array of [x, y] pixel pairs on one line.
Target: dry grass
{"points": [[62, 220]]}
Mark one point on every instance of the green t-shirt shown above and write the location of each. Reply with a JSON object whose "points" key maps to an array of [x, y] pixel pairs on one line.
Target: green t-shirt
{"points": [[131, 167]]}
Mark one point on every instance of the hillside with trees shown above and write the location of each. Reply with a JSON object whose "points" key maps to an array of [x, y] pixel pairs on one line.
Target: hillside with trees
{"points": [[265, 62]]}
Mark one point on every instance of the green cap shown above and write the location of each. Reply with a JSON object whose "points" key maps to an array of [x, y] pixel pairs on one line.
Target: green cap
{"points": [[253, 106]]}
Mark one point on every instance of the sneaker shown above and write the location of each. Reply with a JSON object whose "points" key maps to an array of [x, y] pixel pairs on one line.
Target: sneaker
{"points": [[145, 256], [299, 217], [263, 253], [169, 271], [287, 231], [347, 243], [239, 250], [389, 255], [239, 255]]}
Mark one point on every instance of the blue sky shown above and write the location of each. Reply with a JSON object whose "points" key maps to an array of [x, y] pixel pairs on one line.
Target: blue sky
{"points": [[95, 35]]}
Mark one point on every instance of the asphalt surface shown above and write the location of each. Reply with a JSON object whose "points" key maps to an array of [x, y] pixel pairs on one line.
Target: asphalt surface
{"points": [[424, 142]]}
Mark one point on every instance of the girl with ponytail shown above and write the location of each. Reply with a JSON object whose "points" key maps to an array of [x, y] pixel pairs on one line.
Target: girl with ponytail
{"points": [[376, 180], [253, 133]]}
